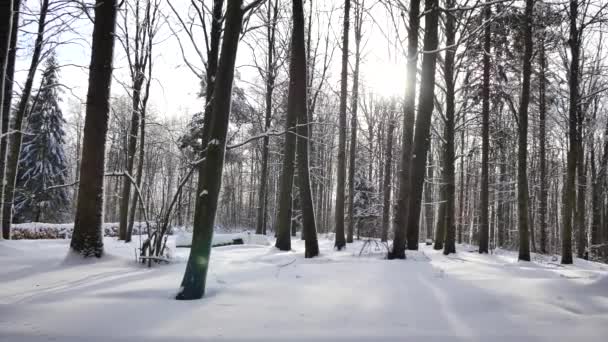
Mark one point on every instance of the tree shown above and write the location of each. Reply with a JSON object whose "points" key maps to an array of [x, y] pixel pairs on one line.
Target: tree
{"points": [[423, 122], [341, 177], [297, 116], [43, 163], [386, 187], [298, 92], [568, 197], [272, 13], [6, 18], [409, 111], [542, 143], [449, 178], [485, 132], [87, 238], [210, 178], [138, 49], [522, 155], [353, 121], [14, 141], [7, 92]]}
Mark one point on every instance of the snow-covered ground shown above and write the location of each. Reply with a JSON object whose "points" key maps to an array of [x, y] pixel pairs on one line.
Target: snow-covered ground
{"points": [[256, 293]]}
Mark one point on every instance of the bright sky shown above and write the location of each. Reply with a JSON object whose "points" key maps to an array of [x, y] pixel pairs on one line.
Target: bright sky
{"points": [[175, 88]]}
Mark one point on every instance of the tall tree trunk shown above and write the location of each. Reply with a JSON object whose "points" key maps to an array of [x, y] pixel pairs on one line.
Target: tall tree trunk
{"points": [[449, 178], [522, 154], [485, 135], [193, 283], [429, 208], [409, 111], [353, 124], [130, 157], [7, 90], [14, 140], [298, 83], [441, 213], [423, 122], [87, 238], [388, 158], [339, 210], [296, 113], [569, 189], [542, 141], [139, 175], [6, 28], [271, 17], [581, 189]]}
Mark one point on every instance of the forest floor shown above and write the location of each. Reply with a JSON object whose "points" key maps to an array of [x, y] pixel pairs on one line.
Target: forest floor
{"points": [[256, 293]]}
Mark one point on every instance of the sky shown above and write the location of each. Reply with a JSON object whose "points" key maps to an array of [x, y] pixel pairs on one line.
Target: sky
{"points": [[174, 91]]}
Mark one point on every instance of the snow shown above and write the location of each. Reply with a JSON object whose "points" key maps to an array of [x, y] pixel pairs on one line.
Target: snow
{"points": [[184, 239], [258, 293]]}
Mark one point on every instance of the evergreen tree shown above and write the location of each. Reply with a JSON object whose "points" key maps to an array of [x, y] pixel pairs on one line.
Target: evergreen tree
{"points": [[43, 163]]}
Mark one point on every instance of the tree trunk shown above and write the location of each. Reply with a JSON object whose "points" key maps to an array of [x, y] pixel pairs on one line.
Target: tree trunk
{"points": [[569, 189], [87, 238], [298, 83], [6, 28], [7, 91], [131, 149], [271, 17], [193, 283], [542, 141], [581, 189], [14, 140], [409, 111], [339, 210], [449, 178], [485, 136], [423, 122], [388, 157], [353, 126], [522, 154]]}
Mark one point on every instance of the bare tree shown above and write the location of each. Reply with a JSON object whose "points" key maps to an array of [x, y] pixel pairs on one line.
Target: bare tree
{"points": [[193, 283]]}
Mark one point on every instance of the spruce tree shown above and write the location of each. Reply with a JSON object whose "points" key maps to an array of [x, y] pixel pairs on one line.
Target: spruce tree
{"points": [[42, 162]]}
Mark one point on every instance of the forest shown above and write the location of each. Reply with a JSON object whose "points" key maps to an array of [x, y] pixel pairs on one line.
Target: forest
{"points": [[456, 139]]}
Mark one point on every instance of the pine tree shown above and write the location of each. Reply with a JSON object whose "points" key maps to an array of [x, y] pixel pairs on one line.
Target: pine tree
{"points": [[42, 162]]}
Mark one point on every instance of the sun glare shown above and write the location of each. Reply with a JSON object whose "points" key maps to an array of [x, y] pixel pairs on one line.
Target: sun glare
{"points": [[385, 79]]}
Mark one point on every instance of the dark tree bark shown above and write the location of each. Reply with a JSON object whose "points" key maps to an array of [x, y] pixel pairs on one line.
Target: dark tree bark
{"points": [[449, 177], [193, 283], [130, 157], [14, 140], [7, 91], [429, 209], [423, 122], [298, 72], [87, 238], [353, 124], [581, 190], [569, 192], [485, 136], [388, 158], [271, 17], [440, 226], [409, 111], [297, 113], [6, 27], [522, 148], [341, 171], [542, 141]]}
